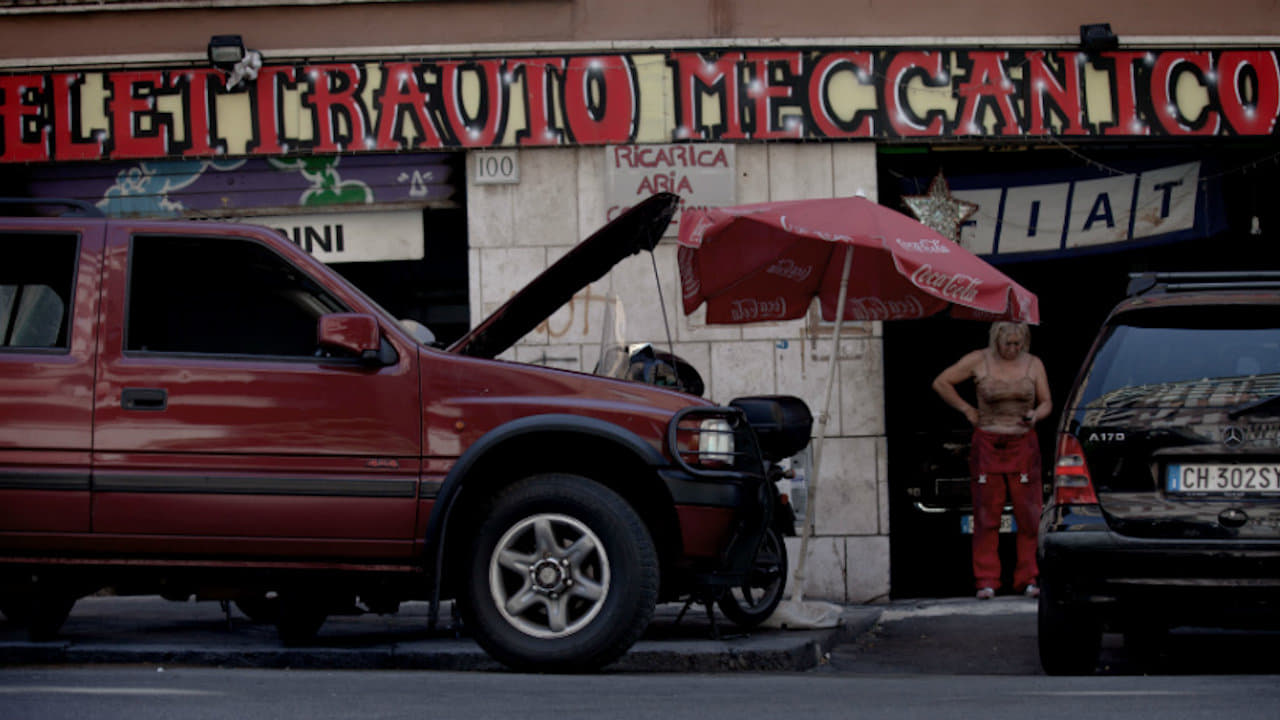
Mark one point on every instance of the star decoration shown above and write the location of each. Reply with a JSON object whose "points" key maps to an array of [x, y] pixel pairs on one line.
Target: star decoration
{"points": [[940, 210]]}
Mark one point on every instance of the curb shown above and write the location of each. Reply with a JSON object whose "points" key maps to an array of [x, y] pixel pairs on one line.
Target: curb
{"points": [[132, 631]]}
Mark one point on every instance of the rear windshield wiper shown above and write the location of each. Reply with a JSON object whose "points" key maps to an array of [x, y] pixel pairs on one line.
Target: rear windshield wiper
{"points": [[1246, 408]]}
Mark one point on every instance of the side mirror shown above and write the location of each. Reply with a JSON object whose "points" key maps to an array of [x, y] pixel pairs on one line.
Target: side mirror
{"points": [[420, 332], [351, 332]]}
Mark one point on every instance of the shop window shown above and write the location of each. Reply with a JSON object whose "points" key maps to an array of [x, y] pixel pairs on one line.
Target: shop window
{"points": [[36, 276], [220, 296]]}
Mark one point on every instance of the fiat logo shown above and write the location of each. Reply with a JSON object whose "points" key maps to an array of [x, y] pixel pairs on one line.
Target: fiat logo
{"points": [[1232, 436]]}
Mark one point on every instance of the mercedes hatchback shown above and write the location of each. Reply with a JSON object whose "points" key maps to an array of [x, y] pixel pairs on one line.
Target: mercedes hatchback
{"points": [[1165, 509]]}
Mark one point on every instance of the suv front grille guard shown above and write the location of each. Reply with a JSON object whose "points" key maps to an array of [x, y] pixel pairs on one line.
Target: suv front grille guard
{"points": [[714, 443], [696, 441]]}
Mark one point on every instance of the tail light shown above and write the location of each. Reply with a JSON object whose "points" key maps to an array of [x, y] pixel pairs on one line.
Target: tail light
{"points": [[1072, 484]]}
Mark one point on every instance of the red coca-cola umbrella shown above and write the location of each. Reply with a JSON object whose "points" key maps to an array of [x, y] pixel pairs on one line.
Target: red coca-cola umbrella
{"points": [[863, 261], [767, 261]]}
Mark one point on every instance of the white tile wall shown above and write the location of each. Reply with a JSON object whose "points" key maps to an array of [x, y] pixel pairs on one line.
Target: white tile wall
{"points": [[802, 370], [589, 185], [867, 572], [546, 207], [742, 368], [634, 283], [850, 569], [846, 501], [503, 271], [753, 173], [800, 171], [853, 169], [826, 572], [861, 386], [491, 220]]}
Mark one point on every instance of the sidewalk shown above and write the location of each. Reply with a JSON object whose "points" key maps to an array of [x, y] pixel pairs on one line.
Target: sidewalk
{"points": [[151, 630]]}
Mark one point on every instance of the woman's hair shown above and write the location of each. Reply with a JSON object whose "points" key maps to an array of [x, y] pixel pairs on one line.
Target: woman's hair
{"points": [[1002, 328]]}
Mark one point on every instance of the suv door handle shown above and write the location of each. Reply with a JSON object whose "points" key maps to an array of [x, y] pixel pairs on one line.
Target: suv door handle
{"points": [[144, 398]]}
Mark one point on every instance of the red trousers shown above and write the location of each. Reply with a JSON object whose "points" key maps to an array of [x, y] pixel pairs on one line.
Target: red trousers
{"points": [[1005, 466]]}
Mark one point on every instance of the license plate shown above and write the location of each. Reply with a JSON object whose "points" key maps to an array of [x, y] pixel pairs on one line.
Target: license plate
{"points": [[1216, 478], [1007, 525]]}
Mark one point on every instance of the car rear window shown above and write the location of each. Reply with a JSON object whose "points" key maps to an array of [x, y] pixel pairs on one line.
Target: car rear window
{"points": [[1175, 355]]}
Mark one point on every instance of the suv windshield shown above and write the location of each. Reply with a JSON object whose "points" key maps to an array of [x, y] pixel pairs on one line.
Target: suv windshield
{"points": [[1186, 349]]}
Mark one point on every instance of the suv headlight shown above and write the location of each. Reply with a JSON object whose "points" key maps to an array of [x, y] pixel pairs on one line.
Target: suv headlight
{"points": [[715, 442]]}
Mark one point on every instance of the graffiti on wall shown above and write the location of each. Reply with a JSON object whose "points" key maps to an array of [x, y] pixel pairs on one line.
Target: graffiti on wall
{"points": [[212, 186], [611, 99]]}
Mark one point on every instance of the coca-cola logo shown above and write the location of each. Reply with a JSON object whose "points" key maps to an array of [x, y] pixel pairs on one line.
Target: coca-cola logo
{"points": [[787, 268], [809, 232], [865, 309], [958, 287], [924, 245], [752, 309]]}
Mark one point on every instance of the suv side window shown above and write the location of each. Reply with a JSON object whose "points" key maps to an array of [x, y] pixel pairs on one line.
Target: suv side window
{"points": [[37, 273], [220, 295]]}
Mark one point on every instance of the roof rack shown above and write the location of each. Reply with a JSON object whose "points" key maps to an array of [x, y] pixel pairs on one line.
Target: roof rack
{"points": [[31, 207], [1142, 283]]}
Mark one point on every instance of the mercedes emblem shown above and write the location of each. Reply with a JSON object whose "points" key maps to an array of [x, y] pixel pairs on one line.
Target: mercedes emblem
{"points": [[1232, 436]]}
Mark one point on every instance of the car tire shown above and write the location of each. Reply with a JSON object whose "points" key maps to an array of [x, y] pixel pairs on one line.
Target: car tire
{"points": [[563, 576], [755, 599], [299, 619], [1145, 642], [259, 608], [12, 610], [40, 607], [47, 616], [1070, 637]]}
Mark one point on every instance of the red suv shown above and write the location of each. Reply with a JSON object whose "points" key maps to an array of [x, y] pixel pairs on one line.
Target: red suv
{"points": [[202, 409]]}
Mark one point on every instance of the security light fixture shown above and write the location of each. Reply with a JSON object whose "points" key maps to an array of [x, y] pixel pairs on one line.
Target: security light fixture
{"points": [[228, 54], [225, 51], [1098, 38]]}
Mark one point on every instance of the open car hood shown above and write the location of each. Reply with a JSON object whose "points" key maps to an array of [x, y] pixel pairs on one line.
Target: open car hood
{"points": [[638, 228]]}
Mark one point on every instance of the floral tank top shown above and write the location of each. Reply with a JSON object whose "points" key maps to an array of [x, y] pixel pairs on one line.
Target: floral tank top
{"points": [[1001, 402]]}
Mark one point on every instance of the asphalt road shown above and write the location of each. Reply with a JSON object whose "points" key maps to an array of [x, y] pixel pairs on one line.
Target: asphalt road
{"points": [[962, 636], [937, 659], [133, 693]]}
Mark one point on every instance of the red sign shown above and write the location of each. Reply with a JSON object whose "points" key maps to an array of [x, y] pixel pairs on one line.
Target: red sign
{"points": [[621, 99]]}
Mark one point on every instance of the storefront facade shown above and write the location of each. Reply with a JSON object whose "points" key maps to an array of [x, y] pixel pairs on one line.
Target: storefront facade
{"points": [[446, 153]]}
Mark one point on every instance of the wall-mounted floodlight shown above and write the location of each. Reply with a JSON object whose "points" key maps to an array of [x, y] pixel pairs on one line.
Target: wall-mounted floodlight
{"points": [[1098, 38], [227, 53]]}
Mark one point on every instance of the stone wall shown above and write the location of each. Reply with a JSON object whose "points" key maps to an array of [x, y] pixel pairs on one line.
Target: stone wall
{"points": [[516, 231]]}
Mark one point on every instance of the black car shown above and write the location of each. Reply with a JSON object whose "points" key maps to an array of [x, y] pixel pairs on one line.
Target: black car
{"points": [[1165, 510]]}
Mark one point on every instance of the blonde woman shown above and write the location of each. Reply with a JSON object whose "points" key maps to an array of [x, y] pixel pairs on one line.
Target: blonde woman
{"points": [[1013, 395]]}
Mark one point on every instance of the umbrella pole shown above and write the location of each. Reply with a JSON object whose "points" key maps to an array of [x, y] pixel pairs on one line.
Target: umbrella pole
{"points": [[797, 592]]}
